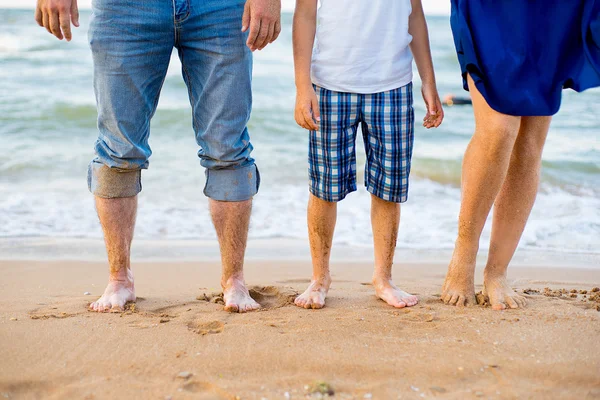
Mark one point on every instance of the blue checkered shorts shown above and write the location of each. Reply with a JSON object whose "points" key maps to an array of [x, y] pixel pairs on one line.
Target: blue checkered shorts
{"points": [[387, 123]]}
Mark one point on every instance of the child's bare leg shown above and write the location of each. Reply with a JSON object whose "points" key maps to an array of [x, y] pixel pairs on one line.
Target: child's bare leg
{"points": [[321, 224], [385, 218]]}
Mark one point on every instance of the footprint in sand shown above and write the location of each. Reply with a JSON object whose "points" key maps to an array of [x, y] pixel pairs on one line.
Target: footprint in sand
{"points": [[205, 328]]}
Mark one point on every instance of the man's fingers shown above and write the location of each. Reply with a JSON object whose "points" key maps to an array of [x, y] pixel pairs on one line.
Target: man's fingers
{"points": [[246, 18], [75, 13], [270, 33], [65, 25], [254, 31], [55, 25], [46, 21], [263, 36], [277, 30], [38, 17]]}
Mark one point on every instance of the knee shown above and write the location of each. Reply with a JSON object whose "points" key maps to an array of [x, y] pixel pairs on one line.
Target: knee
{"points": [[500, 132]]}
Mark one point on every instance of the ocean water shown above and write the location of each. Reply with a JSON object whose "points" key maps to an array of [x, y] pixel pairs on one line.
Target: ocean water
{"points": [[48, 127]]}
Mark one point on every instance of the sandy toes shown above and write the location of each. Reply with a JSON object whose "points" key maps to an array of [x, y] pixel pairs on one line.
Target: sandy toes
{"points": [[314, 296], [393, 295], [458, 289], [237, 298], [500, 295], [116, 295]]}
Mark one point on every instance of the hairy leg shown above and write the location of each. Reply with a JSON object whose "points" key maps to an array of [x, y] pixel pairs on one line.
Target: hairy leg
{"points": [[321, 224], [385, 219], [117, 217], [512, 208], [485, 166], [231, 220]]}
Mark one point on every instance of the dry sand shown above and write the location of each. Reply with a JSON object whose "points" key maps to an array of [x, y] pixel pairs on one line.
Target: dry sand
{"points": [[52, 348]]}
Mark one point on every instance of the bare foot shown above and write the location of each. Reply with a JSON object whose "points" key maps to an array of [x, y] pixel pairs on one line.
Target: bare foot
{"points": [[500, 294], [459, 287], [314, 296], [237, 298], [391, 294], [118, 292]]}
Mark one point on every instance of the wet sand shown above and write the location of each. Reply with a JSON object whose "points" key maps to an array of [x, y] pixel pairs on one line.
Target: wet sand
{"points": [[175, 344]]}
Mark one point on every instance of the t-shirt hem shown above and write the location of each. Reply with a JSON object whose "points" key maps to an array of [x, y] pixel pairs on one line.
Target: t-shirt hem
{"points": [[362, 89]]}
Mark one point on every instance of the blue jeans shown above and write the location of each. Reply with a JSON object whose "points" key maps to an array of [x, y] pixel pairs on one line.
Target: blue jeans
{"points": [[132, 42]]}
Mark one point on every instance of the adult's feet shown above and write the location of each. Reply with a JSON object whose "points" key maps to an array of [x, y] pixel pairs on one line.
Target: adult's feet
{"points": [[237, 298], [499, 294], [119, 291], [459, 286], [314, 296], [391, 294]]}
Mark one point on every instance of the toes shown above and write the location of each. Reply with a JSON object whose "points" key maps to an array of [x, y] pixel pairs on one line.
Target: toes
{"points": [[299, 301], [461, 301], [470, 301], [454, 299], [511, 302], [232, 308], [399, 304], [315, 306], [498, 306], [446, 298]]}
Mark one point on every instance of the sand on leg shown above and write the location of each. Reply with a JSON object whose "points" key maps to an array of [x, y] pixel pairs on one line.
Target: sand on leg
{"points": [[485, 167], [117, 217], [385, 219], [512, 208], [322, 217], [231, 221]]}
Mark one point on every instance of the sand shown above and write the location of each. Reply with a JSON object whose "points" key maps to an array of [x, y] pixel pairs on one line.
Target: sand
{"points": [[175, 344]]}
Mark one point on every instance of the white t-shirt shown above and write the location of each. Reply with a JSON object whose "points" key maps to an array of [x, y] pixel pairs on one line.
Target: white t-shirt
{"points": [[361, 46]]}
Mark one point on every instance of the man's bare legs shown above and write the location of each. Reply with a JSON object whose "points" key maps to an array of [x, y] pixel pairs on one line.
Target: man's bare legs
{"points": [[512, 208], [231, 220], [485, 167], [322, 216], [117, 217], [385, 220]]}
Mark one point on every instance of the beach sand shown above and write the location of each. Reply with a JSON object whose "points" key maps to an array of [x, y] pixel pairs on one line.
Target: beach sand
{"points": [[52, 348]]}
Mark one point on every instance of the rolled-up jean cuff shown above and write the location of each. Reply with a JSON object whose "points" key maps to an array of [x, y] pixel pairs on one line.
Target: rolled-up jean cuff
{"points": [[232, 184], [112, 183]]}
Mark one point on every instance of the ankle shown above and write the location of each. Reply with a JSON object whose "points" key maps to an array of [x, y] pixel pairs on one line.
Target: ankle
{"points": [[494, 272], [227, 282], [123, 275]]}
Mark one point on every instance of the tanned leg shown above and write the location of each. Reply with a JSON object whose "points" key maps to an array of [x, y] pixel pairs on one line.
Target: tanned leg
{"points": [[512, 208], [117, 217], [231, 220], [321, 224], [485, 166], [385, 219]]}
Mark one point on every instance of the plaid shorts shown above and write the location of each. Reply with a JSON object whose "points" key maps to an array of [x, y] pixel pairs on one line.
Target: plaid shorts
{"points": [[387, 123]]}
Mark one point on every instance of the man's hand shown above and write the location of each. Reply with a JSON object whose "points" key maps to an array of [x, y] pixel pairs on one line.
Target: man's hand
{"points": [[263, 17], [56, 16], [307, 109], [435, 112]]}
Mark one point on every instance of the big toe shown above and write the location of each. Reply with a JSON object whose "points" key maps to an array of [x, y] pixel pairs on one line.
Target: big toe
{"points": [[498, 306], [232, 307]]}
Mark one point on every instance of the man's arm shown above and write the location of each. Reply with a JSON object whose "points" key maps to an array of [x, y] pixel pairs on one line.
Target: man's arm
{"points": [[419, 46], [56, 16], [304, 28], [263, 17]]}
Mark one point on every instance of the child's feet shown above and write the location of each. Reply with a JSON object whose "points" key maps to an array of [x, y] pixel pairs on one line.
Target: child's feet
{"points": [[314, 296], [391, 294]]}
